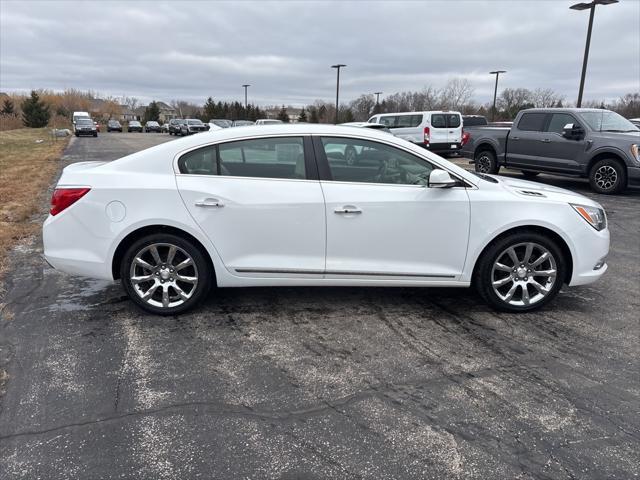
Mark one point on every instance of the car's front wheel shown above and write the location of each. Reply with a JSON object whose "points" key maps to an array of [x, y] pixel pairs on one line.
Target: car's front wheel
{"points": [[486, 162], [608, 176], [520, 272], [165, 274]]}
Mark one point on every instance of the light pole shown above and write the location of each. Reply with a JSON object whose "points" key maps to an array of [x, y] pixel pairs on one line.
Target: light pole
{"points": [[337, 67], [377, 94], [245, 86], [592, 7], [495, 92]]}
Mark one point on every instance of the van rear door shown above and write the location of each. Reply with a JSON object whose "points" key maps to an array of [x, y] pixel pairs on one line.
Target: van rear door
{"points": [[438, 131], [454, 126]]}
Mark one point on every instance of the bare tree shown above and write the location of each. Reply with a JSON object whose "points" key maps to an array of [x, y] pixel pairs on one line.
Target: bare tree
{"points": [[457, 93], [362, 107], [545, 98], [131, 102]]}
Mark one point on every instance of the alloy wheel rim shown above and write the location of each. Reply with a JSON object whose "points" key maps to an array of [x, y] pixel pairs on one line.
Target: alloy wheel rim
{"points": [[606, 177], [484, 164], [163, 275], [524, 274]]}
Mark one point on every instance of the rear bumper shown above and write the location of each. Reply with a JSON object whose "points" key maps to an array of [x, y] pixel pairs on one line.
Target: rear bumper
{"points": [[633, 176], [443, 147]]}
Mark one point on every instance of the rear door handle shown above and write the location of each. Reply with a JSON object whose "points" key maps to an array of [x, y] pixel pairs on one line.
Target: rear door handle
{"points": [[209, 202], [347, 209], [545, 140], [515, 138]]}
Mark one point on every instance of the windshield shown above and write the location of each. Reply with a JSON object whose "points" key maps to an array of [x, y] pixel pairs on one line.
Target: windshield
{"points": [[607, 121], [134, 123], [84, 121], [152, 123], [268, 122], [195, 122]]}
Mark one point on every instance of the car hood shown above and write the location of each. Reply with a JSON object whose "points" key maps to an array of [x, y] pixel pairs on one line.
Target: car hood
{"points": [[620, 136], [538, 191]]}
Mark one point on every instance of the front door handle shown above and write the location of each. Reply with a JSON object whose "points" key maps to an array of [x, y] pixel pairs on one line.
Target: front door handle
{"points": [[347, 209], [209, 202], [514, 138], [545, 140]]}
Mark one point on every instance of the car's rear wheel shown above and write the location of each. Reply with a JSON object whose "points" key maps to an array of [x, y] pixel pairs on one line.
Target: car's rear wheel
{"points": [[486, 162], [608, 176], [520, 272], [165, 274]]}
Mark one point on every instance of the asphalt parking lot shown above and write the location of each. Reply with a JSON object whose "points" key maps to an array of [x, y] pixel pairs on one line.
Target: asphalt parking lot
{"points": [[319, 383]]}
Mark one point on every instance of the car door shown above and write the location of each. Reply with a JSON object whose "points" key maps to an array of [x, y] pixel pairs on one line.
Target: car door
{"points": [[438, 131], [382, 220], [525, 141], [454, 130], [260, 204], [556, 152]]}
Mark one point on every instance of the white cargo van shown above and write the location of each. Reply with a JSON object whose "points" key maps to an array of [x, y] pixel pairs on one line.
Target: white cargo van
{"points": [[438, 131]]}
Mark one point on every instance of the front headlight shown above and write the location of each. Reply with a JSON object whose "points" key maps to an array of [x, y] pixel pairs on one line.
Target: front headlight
{"points": [[635, 152], [593, 215]]}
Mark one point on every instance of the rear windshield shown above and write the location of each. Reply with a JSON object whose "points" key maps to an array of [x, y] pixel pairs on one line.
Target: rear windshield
{"points": [[445, 120], [401, 121]]}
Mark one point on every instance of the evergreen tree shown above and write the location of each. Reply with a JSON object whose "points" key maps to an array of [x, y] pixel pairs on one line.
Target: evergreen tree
{"points": [[35, 113], [282, 115], [8, 108], [303, 115], [209, 110], [152, 112], [313, 117]]}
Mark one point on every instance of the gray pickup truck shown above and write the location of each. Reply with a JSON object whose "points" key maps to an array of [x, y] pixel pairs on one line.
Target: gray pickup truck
{"points": [[591, 143]]}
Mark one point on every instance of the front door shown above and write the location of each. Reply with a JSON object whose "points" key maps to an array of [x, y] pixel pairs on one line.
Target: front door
{"points": [[382, 220], [558, 153], [260, 204]]}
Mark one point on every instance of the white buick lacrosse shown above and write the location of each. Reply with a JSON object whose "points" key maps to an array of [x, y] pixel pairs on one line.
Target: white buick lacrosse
{"points": [[280, 205]]}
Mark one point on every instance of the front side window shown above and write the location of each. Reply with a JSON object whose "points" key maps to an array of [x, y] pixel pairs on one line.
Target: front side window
{"points": [[558, 121], [354, 160], [260, 158], [532, 122]]}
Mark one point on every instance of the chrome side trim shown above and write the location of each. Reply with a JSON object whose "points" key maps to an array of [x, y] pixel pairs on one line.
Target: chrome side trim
{"points": [[330, 272]]}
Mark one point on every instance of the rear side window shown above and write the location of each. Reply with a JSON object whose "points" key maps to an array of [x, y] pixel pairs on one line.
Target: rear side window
{"points": [[260, 158], [388, 121], [532, 122]]}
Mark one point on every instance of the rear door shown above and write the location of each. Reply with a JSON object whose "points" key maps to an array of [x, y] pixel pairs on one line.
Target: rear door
{"points": [[454, 126], [438, 131], [260, 204], [525, 141]]}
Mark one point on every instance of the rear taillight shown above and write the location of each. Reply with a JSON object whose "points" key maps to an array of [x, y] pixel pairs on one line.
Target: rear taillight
{"points": [[427, 136], [465, 137], [65, 197]]}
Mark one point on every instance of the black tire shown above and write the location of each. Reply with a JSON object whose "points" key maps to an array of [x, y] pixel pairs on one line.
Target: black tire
{"points": [[608, 176], [95, 134], [486, 162], [78, 135], [484, 272], [350, 155], [201, 270], [530, 174]]}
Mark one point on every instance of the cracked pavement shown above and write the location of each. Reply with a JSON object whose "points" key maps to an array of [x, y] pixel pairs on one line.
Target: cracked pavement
{"points": [[319, 383]]}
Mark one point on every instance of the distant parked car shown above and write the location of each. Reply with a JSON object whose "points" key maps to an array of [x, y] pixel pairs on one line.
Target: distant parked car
{"points": [[114, 126], [164, 128], [268, 121], [174, 126], [85, 126], [192, 125], [221, 122], [242, 123], [152, 126], [438, 131], [134, 126]]}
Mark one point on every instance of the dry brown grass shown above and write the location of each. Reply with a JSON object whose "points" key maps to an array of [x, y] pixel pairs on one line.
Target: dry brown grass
{"points": [[26, 170]]}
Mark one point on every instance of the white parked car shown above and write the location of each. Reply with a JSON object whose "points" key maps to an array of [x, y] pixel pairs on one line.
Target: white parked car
{"points": [[268, 121], [439, 131], [278, 205]]}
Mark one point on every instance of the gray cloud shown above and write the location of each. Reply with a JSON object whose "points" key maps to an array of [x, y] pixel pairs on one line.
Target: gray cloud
{"points": [[190, 50]]}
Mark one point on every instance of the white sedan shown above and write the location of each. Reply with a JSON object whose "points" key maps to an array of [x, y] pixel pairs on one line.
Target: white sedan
{"points": [[279, 205]]}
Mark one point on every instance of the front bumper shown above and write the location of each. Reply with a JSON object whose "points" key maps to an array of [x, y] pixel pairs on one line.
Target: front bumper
{"points": [[86, 132], [590, 250], [633, 176]]}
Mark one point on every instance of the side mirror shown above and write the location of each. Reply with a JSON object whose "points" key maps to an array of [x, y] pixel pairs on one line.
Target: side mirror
{"points": [[572, 131], [440, 179]]}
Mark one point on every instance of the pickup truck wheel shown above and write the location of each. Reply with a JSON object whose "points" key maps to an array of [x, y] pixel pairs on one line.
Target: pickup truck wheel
{"points": [[520, 272], [607, 176], [485, 162], [530, 174]]}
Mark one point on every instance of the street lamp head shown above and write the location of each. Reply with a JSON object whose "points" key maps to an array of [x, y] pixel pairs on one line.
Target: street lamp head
{"points": [[497, 71], [246, 85], [587, 6], [339, 65]]}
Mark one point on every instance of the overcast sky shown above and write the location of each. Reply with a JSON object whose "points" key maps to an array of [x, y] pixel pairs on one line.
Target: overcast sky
{"points": [[190, 50]]}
